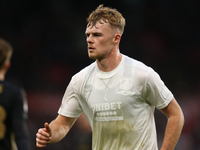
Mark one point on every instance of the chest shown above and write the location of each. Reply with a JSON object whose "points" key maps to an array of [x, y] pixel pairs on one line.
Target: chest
{"points": [[113, 97]]}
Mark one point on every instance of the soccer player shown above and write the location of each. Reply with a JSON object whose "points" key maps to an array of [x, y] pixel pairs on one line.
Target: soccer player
{"points": [[117, 94], [13, 107]]}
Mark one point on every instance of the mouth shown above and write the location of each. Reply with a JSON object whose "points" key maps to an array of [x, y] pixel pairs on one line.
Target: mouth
{"points": [[91, 48]]}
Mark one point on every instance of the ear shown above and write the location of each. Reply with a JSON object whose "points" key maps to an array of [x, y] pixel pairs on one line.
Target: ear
{"points": [[7, 65], [117, 38]]}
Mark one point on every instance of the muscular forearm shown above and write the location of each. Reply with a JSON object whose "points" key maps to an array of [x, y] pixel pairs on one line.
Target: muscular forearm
{"points": [[60, 127], [58, 131], [172, 133], [55, 131]]}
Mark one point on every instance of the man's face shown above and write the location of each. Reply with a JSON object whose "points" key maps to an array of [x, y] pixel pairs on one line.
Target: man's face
{"points": [[100, 40]]}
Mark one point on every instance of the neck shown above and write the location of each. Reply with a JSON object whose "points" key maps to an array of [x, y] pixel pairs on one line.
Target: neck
{"points": [[2, 76], [4, 70], [110, 62]]}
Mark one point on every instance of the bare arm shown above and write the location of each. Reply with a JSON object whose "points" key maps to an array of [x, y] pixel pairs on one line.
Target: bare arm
{"points": [[174, 125], [55, 131]]}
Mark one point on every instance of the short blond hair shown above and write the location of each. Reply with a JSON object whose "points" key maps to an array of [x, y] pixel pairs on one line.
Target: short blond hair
{"points": [[108, 15]]}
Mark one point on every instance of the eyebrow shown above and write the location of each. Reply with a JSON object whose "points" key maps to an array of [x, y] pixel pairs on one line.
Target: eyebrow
{"points": [[94, 32]]}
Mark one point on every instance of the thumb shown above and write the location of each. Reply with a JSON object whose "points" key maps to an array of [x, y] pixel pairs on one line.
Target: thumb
{"points": [[47, 127]]}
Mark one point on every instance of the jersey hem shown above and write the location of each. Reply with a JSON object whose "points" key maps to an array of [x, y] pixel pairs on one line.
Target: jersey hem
{"points": [[68, 114], [166, 103]]}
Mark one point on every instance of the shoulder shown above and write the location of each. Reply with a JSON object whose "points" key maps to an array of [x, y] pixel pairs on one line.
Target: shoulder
{"points": [[11, 94], [84, 72], [82, 75], [138, 68], [136, 64], [10, 88]]}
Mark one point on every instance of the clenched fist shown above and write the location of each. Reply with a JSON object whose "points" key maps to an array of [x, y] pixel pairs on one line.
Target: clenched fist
{"points": [[43, 136]]}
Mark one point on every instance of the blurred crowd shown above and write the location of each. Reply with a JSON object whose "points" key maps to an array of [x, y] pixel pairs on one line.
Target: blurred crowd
{"points": [[50, 46]]}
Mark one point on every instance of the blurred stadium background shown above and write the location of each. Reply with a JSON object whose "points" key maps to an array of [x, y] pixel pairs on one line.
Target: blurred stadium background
{"points": [[50, 46]]}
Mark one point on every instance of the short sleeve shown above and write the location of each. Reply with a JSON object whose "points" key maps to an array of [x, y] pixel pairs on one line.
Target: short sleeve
{"points": [[157, 93], [70, 106]]}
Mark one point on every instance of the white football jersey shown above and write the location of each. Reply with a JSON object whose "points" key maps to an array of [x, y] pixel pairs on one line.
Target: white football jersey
{"points": [[119, 105]]}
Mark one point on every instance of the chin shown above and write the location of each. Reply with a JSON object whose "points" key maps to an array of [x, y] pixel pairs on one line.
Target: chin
{"points": [[91, 56]]}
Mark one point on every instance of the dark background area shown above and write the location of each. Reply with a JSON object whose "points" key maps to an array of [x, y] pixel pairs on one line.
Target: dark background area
{"points": [[49, 43]]}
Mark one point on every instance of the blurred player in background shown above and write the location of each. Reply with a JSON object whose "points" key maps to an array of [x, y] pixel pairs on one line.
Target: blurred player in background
{"points": [[117, 94], [13, 107]]}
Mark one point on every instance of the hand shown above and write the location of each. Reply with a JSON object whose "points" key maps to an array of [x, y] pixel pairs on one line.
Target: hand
{"points": [[43, 136]]}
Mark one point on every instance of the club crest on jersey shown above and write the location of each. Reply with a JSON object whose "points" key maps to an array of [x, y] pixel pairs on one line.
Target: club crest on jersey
{"points": [[126, 86]]}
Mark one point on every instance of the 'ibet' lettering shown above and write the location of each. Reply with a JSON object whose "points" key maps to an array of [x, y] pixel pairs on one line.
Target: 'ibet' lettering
{"points": [[106, 106]]}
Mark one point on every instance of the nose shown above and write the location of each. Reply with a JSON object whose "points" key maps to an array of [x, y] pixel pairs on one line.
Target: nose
{"points": [[89, 39]]}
